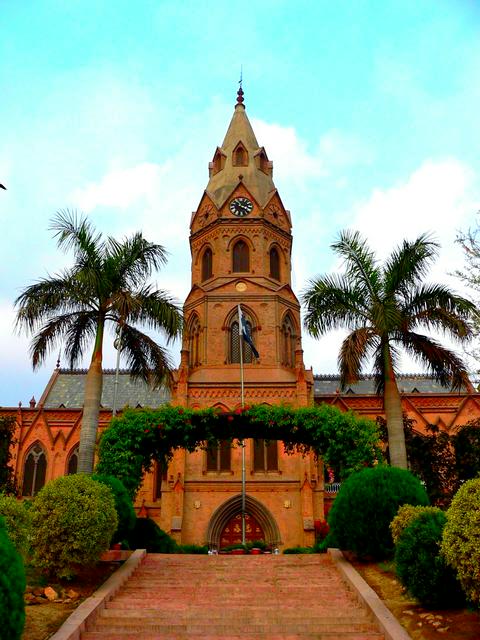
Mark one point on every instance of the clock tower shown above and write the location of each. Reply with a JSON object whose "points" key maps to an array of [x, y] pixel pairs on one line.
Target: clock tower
{"points": [[241, 245]]}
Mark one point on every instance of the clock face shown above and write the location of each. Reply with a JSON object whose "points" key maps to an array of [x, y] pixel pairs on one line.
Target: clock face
{"points": [[241, 207]]}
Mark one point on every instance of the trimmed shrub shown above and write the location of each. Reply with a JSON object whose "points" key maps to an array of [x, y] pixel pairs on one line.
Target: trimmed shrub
{"points": [[405, 516], [420, 565], [461, 538], [146, 534], [366, 504], [290, 550], [73, 520], [18, 522], [12, 587], [123, 507]]}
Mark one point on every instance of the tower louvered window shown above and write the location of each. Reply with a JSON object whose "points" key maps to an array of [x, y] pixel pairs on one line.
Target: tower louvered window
{"points": [[207, 264], [235, 344], [34, 472], [274, 264], [241, 257]]}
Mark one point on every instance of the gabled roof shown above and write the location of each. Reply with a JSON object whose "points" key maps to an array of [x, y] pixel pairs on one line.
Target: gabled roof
{"points": [[327, 384], [68, 386]]}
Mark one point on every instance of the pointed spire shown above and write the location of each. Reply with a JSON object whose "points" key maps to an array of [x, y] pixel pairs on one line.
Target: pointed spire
{"points": [[240, 99]]}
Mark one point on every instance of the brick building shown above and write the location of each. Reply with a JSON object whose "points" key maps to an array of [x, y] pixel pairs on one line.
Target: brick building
{"points": [[241, 241]]}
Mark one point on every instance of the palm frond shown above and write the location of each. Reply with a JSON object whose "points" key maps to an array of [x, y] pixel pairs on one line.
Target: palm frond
{"points": [[151, 308], [436, 307], [333, 302], [408, 264], [135, 259], [40, 300], [73, 231], [145, 358], [51, 334], [443, 364], [79, 335], [355, 349], [361, 265]]}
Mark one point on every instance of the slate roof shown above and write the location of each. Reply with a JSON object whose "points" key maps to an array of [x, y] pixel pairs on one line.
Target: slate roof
{"points": [[407, 383], [68, 386]]}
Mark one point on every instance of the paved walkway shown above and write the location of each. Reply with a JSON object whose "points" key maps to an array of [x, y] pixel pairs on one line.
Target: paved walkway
{"points": [[173, 597]]}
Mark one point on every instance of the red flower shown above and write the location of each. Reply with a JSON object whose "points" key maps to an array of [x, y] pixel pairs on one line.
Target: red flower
{"points": [[230, 418], [147, 430], [238, 411], [180, 411]]}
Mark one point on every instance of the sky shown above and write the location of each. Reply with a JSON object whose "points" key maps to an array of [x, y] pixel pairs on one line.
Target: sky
{"points": [[368, 109]]}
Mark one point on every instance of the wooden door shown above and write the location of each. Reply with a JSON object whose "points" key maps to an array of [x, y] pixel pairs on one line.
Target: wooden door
{"points": [[232, 533]]}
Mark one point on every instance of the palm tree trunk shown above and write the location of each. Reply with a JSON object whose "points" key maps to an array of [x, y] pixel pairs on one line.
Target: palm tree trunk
{"points": [[91, 405], [394, 415]]}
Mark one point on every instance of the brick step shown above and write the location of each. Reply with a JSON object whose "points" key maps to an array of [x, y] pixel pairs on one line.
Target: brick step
{"points": [[195, 628], [149, 603], [153, 616], [128, 635]]}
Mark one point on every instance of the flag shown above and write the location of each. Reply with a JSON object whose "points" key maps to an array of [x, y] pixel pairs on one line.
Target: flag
{"points": [[245, 332]]}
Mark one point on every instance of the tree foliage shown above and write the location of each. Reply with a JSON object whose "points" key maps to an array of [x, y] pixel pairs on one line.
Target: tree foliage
{"points": [[123, 506], [12, 588], [17, 521], [106, 287], [73, 521], [345, 441], [387, 309], [461, 538], [7, 440]]}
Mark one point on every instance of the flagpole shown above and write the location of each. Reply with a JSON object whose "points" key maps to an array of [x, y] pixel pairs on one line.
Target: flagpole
{"points": [[242, 389]]}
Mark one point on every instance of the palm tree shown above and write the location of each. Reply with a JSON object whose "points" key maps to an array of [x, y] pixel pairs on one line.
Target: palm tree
{"points": [[106, 285], [384, 308]]}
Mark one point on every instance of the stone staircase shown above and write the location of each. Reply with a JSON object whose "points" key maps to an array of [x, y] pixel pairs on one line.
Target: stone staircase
{"points": [[173, 597]]}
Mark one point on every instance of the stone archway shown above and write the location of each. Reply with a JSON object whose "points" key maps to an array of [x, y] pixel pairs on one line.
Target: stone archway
{"points": [[226, 511]]}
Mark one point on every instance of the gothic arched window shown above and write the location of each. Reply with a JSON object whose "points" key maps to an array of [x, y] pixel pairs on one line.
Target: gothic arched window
{"points": [[207, 264], [234, 355], [72, 465], [240, 156], [241, 257], [34, 471], [160, 477], [288, 342], [194, 345], [274, 264]]}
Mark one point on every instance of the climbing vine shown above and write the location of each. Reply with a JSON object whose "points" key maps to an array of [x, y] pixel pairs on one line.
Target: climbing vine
{"points": [[132, 441]]}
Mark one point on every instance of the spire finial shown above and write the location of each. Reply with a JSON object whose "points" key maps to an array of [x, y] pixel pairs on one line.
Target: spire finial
{"points": [[240, 89], [58, 359]]}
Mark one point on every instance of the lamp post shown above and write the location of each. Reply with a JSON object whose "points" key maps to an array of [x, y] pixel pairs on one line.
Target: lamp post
{"points": [[117, 343]]}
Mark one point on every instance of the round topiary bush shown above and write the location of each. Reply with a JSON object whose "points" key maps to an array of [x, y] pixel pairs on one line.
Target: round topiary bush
{"points": [[366, 504], [461, 538], [123, 506], [405, 516], [147, 535], [18, 522], [421, 566], [73, 520], [12, 588]]}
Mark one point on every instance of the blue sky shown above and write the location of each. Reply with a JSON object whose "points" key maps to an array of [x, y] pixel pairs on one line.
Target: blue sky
{"points": [[368, 109]]}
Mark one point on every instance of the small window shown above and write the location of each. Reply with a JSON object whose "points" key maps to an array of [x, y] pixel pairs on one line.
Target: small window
{"points": [[274, 264], [241, 257], [160, 476], [240, 156], [219, 456], [265, 455], [73, 462], [207, 263], [34, 472]]}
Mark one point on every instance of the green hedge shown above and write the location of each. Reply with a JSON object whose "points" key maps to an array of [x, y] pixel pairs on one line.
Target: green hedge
{"points": [[421, 566], [18, 522], [366, 504], [146, 534], [12, 588], [123, 506]]}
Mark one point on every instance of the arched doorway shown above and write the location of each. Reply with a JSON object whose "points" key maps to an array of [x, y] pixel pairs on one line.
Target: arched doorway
{"points": [[232, 532], [227, 513]]}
